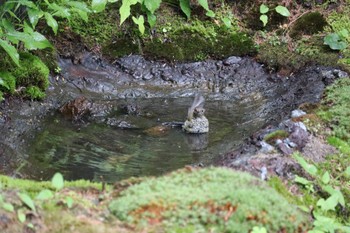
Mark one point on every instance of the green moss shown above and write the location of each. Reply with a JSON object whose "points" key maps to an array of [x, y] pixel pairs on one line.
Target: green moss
{"points": [[34, 187], [211, 199], [9, 82], [336, 108], [32, 72], [34, 92], [308, 24], [278, 134]]}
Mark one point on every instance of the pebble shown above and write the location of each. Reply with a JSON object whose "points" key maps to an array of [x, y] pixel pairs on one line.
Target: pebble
{"points": [[297, 113]]}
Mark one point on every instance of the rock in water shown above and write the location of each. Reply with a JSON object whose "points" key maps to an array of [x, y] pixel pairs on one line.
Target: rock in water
{"points": [[196, 121]]}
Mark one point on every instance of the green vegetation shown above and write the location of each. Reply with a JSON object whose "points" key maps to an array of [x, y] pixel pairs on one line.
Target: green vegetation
{"points": [[212, 199], [278, 134], [279, 9], [30, 79], [336, 108]]}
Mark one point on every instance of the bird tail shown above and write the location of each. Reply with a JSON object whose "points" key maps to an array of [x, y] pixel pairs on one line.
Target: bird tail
{"points": [[198, 101]]}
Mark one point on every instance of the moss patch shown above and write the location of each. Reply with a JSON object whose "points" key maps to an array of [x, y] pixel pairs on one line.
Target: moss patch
{"points": [[336, 108], [278, 134], [212, 199], [32, 75]]}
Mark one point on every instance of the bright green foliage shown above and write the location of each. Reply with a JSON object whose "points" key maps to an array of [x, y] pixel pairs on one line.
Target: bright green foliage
{"points": [[336, 110], [57, 181], [140, 22], [7, 82], [34, 93], [186, 8], [263, 9], [326, 213], [337, 41], [207, 200], [27, 200], [14, 28]]}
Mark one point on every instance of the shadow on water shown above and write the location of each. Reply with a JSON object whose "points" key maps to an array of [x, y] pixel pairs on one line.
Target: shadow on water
{"points": [[95, 149]]}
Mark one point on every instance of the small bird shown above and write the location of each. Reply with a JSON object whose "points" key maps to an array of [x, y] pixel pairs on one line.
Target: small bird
{"points": [[196, 121]]}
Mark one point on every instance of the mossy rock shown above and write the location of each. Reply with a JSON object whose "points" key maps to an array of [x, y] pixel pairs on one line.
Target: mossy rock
{"points": [[278, 134], [207, 200], [309, 24]]}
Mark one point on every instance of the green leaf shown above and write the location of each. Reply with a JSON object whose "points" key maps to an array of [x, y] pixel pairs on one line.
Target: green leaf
{"points": [[57, 181], [69, 202], [151, 18], [113, 1], [51, 22], [302, 180], [204, 4], [10, 50], [34, 15], [3, 83], [334, 41], [60, 11], [83, 15], [326, 178], [282, 11], [210, 14], [152, 5], [124, 10], [344, 34], [347, 172], [21, 216], [98, 5], [44, 194], [185, 7], [140, 22], [309, 168], [79, 6], [263, 9], [263, 19], [227, 22], [27, 201], [8, 207]]}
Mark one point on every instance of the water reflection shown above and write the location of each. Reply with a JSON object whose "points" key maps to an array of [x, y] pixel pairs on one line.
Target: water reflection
{"points": [[97, 150]]}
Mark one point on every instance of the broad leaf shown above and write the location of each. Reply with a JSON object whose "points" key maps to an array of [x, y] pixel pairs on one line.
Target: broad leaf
{"points": [[51, 22], [151, 18], [227, 22], [27, 201], [140, 22], [79, 5], [282, 11], [34, 15], [10, 50], [263, 19], [152, 5], [263, 9], [328, 204], [326, 178], [347, 172], [204, 4], [302, 180], [57, 181], [185, 7], [83, 15], [44, 194], [334, 41], [60, 11], [69, 202], [98, 5], [21, 216], [124, 10], [309, 168], [8, 207]]}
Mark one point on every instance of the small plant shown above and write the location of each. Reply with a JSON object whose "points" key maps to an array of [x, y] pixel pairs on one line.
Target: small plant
{"points": [[337, 41], [326, 208], [279, 9]]}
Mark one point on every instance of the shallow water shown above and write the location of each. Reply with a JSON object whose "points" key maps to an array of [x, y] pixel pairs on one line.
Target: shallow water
{"points": [[97, 151]]}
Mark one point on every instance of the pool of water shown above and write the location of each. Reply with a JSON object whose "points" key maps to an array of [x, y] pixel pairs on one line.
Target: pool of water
{"points": [[97, 151]]}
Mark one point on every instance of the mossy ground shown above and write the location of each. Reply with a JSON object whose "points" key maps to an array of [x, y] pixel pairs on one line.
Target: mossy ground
{"points": [[30, 79]]}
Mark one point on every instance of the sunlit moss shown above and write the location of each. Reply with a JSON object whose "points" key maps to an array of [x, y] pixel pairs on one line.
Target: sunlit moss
{"points": [[211, 199]]}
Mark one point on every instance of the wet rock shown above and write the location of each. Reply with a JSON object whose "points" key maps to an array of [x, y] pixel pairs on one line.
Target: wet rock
{"points": [[299, 136], [157, 131], [283, 147], [130, 109], [76, 109], [196, 122], [119, 123], [266, 148], [231, 60], [297, 113]]}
